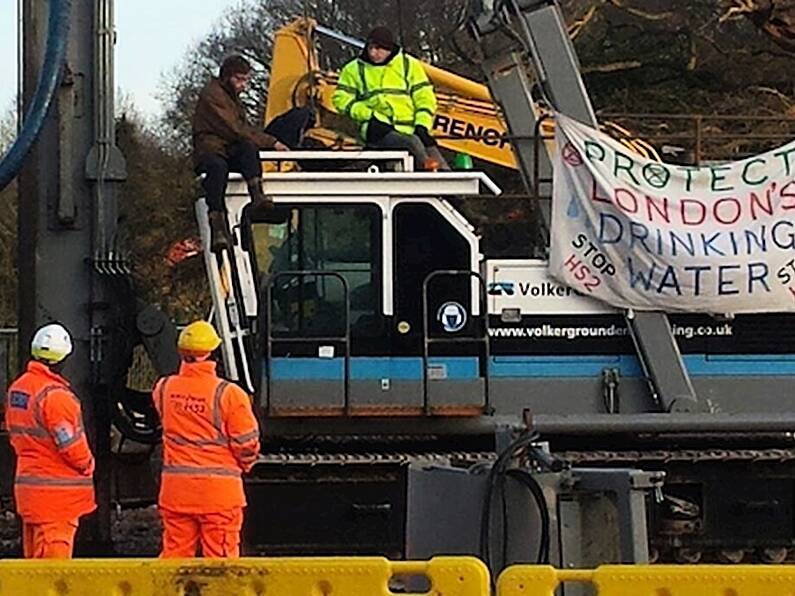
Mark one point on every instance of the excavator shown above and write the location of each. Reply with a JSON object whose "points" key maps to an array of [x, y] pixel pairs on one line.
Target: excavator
{"points": [[467, 121], [395, 351], [421, 390]]}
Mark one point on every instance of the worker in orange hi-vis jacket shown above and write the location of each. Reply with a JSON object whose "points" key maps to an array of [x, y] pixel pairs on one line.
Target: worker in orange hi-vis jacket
{"points": [[53, 487], [210, 438]]}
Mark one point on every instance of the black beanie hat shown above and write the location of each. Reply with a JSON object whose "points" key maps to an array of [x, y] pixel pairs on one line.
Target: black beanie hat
{"points": [[381, 36]]}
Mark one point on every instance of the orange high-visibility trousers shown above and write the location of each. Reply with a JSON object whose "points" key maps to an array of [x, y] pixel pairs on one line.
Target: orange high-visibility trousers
{"points": [[218, 533], [49, 540]]}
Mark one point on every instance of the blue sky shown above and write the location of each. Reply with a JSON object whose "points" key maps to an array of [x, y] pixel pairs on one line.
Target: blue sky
{"points": [[152, 37]]}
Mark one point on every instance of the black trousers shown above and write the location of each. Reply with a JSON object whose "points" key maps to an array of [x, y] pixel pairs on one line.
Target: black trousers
{"points": [[243, 159]]}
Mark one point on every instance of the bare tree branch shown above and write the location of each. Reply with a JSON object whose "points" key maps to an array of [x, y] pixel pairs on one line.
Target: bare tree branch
{"points": [[650, 16]]}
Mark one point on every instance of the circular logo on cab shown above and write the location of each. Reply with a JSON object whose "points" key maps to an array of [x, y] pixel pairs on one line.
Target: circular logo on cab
{"points": [[452, 316]]}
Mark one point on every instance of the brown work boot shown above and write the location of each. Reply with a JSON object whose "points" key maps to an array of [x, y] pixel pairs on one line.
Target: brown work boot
{"points": [[262, 208], [265, 211], [256, 193], [219, 237], [261, 205]]}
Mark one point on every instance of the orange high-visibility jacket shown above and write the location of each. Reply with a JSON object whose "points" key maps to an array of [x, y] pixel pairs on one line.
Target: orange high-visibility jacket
{"points": [[210, 436], [54, 463]]}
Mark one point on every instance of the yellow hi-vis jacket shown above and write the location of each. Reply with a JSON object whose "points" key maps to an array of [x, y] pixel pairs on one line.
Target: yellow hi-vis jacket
{"points": [[397, 92]]}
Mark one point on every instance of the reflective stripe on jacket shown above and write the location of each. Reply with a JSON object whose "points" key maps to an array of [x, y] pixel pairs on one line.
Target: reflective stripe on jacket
{"points": [[44, 421], [397, 92], [210, 436]]}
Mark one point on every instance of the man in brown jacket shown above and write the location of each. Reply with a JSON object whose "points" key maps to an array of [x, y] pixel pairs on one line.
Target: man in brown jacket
{"points": [[224, 142]]}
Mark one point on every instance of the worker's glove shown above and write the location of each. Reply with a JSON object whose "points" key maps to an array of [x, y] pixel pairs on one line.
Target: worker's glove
{"points": [[377, 130], [427, 138]]}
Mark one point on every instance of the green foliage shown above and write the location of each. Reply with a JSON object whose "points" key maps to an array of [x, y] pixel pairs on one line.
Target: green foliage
{"points": [[157, 211]]}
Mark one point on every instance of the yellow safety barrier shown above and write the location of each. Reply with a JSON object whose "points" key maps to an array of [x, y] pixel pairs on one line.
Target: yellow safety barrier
{"points": [[353, 576], [654, 580]]}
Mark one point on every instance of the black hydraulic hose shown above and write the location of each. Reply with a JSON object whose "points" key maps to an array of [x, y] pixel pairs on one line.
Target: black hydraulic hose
{"points": [[57, 36], [494, 483], [542, 558]]}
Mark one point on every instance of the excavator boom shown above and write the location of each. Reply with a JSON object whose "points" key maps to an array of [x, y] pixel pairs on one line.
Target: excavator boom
{"points": [[467, 119]]}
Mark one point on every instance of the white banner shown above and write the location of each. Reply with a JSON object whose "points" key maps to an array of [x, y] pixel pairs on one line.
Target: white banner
{"points": [[650, 236]]}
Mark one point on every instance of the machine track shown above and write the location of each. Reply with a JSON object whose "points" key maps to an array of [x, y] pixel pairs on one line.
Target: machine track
{"points": [[725, 505], [669, 456], [462, 458], [718, 504]]}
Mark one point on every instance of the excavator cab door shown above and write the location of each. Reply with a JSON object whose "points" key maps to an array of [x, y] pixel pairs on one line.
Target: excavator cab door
{"points": [[438, 307], [319, 303]]}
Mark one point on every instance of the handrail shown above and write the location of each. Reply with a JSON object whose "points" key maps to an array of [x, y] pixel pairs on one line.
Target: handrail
{"points": [[427, 340], [270, 339]]}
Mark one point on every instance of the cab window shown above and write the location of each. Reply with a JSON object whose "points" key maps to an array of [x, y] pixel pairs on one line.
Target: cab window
{"points": [[344, 239]]}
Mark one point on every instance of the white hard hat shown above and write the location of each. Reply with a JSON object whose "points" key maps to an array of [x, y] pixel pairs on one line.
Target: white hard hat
{"points": [[51, 343]]}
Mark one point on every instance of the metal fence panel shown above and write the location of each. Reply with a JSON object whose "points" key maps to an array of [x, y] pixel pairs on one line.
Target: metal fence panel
{"points": [[9, 363], [654, 580], [345, 576]]}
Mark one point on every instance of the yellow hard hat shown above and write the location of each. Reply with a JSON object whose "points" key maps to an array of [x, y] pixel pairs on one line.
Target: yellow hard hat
{"points": [[199, 337]]}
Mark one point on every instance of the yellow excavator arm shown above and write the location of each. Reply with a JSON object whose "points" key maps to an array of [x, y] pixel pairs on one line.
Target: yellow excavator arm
{"points": [[467, 119]]}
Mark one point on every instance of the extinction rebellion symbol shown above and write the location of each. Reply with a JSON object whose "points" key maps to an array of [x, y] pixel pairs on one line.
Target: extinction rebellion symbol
{"points": [[572, 155]]}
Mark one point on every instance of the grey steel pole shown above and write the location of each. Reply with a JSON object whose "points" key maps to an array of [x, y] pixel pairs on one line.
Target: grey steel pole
{"points": [[68, 258]]}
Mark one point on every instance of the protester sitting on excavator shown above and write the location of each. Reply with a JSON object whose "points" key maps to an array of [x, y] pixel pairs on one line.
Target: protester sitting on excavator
{"points": [[224, 142], [387, 93]]}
